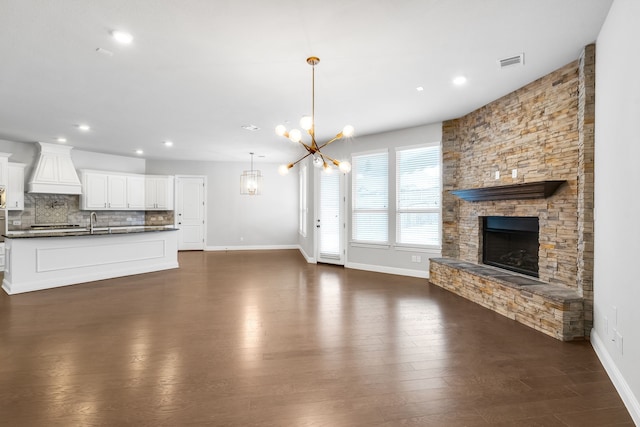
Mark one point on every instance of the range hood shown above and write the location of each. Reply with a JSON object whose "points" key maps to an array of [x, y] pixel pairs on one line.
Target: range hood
{"points": [[54, 172]]}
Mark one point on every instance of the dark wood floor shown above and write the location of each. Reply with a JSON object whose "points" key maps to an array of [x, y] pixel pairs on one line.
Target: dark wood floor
{"points": [[265, 339]]}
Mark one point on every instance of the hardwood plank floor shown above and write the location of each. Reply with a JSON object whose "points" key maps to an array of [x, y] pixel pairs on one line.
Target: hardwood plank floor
{"points": [[265, 339]]}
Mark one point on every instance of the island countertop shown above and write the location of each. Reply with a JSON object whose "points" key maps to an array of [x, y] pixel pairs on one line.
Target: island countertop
{"points": [[78, 232]]}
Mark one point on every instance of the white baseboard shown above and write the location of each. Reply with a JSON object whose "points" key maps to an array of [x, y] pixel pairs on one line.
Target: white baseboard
{"points": [[389, 270], [629, 399], [310, 259], [250, 248]]}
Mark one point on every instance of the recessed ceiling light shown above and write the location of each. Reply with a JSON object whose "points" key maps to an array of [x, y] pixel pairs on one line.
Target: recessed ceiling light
{"points": [[61, 139], [122, 36], [84, 127], [419, 88], [460, 80], [139, 152], [167, 143], [251, 128]]}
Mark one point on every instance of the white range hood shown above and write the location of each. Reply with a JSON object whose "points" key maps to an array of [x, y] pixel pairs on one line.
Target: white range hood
{"points": [[54, 172]]}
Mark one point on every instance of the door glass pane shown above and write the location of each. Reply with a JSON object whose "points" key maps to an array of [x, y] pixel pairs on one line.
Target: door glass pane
{"points": [[329, 235]]}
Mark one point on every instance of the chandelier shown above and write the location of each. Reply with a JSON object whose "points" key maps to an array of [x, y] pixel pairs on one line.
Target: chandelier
{"points": [[251, 181], [307, 123]]}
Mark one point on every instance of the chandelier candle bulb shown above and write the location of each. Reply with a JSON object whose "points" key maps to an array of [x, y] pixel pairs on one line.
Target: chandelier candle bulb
{"points": [[295, 135], [281, 130], [306, 123]]}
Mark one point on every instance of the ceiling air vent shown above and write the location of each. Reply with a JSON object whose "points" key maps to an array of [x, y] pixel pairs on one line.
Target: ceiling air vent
{"points": [[511, 61]]}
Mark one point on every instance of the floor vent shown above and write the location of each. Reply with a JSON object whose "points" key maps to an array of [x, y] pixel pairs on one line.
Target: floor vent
{"points": [[511, 61]]}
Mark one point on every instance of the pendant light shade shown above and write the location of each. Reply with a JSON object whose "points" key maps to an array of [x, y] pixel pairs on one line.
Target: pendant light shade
{"points": [[251, 181]]}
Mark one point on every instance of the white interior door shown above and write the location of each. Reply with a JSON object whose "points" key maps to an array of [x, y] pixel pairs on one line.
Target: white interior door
{"points": [[190, 212], [330, 225]]}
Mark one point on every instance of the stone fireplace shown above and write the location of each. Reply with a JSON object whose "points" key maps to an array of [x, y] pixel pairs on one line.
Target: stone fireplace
{"points": [[541, 133]]}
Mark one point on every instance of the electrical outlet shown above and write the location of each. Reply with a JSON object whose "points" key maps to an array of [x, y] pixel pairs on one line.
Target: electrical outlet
{"points": [[241, 238], [418, 258], [497, 175], [17, 222], [514, 173]]}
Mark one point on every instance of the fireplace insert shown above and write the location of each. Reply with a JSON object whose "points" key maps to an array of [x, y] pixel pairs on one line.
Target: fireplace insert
{"points": [[511, 243]]}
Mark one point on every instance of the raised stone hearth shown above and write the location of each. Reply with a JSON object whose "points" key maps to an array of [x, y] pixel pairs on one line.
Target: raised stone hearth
{"points": [[555, 310]]}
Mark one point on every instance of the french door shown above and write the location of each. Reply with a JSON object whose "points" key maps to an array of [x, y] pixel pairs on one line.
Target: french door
{"points": [[330, 217]]}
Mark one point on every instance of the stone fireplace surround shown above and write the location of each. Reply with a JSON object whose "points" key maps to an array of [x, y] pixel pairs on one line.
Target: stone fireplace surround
{"points": [[544, 131]]}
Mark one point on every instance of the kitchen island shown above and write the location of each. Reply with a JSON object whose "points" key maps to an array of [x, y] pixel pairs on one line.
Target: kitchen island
{"points": [[43, 260]]}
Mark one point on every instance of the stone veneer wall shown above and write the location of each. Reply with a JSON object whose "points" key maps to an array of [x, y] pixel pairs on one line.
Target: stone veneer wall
{"points": [[538, 131]]}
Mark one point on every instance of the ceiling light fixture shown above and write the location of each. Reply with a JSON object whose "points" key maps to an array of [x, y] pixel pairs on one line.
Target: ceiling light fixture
{"points": [[61, 139], [251, 181], [139, 152], [122, 36], [84, 128], [420, 89], [168, 143], [307, 123]]}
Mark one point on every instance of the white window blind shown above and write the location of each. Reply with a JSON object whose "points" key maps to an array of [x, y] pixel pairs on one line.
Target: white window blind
{"points": [[370, 193], [302, 215], [418, 192], [330, 220]]}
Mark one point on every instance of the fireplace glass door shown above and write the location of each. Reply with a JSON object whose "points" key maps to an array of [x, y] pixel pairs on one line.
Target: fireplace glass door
{"points": [[511, 243]]}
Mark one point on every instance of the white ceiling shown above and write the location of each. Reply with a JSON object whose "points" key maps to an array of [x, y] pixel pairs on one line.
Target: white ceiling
{"points": [[198, 70]]}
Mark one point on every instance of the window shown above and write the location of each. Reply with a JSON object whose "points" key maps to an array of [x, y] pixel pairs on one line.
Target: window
{"points": [[302, 214], [418, 192], [370, 193]]}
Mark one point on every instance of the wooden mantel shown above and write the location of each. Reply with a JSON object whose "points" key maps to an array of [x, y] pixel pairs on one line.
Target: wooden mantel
{"points": [[528, 190]]}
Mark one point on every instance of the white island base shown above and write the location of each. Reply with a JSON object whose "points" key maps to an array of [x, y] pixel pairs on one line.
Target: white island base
{"points": [[36, 263]]}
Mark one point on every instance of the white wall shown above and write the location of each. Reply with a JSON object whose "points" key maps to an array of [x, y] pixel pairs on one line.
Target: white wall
{"points": [[236, 221], [384, 259], [617, 234]]}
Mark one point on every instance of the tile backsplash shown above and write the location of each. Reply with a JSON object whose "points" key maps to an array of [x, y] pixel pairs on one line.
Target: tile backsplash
{"points": [[65, 209]]}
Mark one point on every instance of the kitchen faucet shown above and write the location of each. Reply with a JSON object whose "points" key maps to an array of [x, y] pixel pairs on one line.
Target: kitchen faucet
{"points": [[93, 218]]}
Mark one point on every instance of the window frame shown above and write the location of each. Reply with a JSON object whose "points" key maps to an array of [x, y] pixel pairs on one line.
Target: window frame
{"points": [[399, 211], [354, 200]]}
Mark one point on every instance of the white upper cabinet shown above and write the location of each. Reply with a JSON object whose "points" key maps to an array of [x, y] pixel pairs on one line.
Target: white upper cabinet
{"points": [[159, 193], [118, 191], [94, 191], [15, 187], [136, 192]]}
